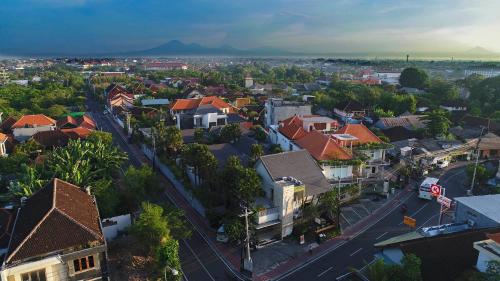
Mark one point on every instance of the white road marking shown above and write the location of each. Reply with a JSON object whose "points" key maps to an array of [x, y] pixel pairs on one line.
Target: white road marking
{"points": [[198, 259], [381, 235], [328, 269], [427, 221], [355, 252], [342, 276], [421, 208]]}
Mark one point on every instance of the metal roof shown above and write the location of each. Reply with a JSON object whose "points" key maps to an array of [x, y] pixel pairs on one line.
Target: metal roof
{"points": [[487, 205]]}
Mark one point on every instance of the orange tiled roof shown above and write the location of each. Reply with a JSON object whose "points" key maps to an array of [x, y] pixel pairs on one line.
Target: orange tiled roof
{"points": [[292, 128], [322, 147], [3, 137], [361, 132], [32, 120], [186, 104], [77, 133]]}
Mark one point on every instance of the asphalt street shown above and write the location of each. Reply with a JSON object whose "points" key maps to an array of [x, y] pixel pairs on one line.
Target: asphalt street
{"points": [[199, 262], [359, 251]]}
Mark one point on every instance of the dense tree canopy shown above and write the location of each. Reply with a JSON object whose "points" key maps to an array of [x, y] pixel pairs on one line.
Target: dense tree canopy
{"points": [[414, 78]]}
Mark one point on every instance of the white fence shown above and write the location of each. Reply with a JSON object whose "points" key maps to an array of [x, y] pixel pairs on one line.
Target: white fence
{"points": [[112, 226], [176, 183]]}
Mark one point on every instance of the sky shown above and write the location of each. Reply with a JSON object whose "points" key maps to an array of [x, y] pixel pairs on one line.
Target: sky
{"points": [[311, 26]]}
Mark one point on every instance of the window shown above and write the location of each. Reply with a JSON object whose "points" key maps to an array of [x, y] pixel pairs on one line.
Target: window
{"points": [[84, 263], [37, 275], [374, 170]]}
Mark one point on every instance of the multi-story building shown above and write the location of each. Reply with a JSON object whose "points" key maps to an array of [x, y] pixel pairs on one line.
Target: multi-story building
{"points": [[278, 110]]}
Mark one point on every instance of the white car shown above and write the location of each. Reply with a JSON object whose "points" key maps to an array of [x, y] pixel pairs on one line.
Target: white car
{"points": [[442, 164]]}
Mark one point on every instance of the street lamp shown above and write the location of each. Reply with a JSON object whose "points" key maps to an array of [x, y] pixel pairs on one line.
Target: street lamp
{"points": [[174, 271]]}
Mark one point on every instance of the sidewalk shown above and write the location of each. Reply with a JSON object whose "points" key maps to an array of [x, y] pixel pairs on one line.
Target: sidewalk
{"points": [[223, 251], [349, 233]]}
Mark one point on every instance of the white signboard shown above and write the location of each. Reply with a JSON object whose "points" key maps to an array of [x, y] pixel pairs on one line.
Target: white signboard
{"points": [[445, 201]]}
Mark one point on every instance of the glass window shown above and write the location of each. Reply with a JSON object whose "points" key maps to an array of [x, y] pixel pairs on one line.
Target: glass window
{"points": [[38, 275], [83, 263]]}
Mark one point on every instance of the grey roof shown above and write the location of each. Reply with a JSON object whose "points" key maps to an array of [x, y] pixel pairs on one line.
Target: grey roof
{"points": [[150, 102], [234, 118], [487, 205], [207, 108], [300, 165], [222, 151]]}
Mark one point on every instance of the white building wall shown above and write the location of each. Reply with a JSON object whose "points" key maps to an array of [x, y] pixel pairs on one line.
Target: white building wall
{"points": [[22, 134], [120, 223], [54, 270], [333, 172]]}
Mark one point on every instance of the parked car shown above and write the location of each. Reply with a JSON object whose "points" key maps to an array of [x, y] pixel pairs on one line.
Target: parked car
{"points": [[442, 164]]}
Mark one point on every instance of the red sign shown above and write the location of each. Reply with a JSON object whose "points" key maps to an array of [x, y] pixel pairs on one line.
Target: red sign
{"points": [[435, 190]]}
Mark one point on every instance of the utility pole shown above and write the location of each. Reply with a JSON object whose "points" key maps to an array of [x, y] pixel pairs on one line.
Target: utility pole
{"points": [[470, 191], [154, 146], [443, 193], [247, 262]]}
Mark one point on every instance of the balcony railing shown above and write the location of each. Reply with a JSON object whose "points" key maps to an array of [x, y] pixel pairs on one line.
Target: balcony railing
{"points": [[267, 215]]}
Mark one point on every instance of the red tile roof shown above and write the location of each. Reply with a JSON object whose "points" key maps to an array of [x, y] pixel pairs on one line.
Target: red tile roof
{"points": [[292, 128], [322, 147], [186, 104], [51, 139], [77, 133], [361, 132], [495, 237], [7, 124], [58, 217], [34, 120]]}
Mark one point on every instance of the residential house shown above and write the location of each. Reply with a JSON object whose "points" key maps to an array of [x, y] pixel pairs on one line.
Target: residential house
{"points": [[489, 251], [410, 122], [454, 105], [330, 155], [6, 125], [51, 139], [489, 146], [185, 105], [278, 110], [204, 116], [367, 144], [296, 127], [3, 147], [57, 235], [445, 251], [289, 180], [351, 111], [28, 125], [400, 133], [70, 122], [118, 96]]}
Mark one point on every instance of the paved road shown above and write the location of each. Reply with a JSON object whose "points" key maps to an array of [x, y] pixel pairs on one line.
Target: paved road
{"points": [[199, 262], [359, 251]]}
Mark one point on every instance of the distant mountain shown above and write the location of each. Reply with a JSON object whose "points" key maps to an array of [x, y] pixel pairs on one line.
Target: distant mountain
{"points": [[479, 51], [176, 47]]}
